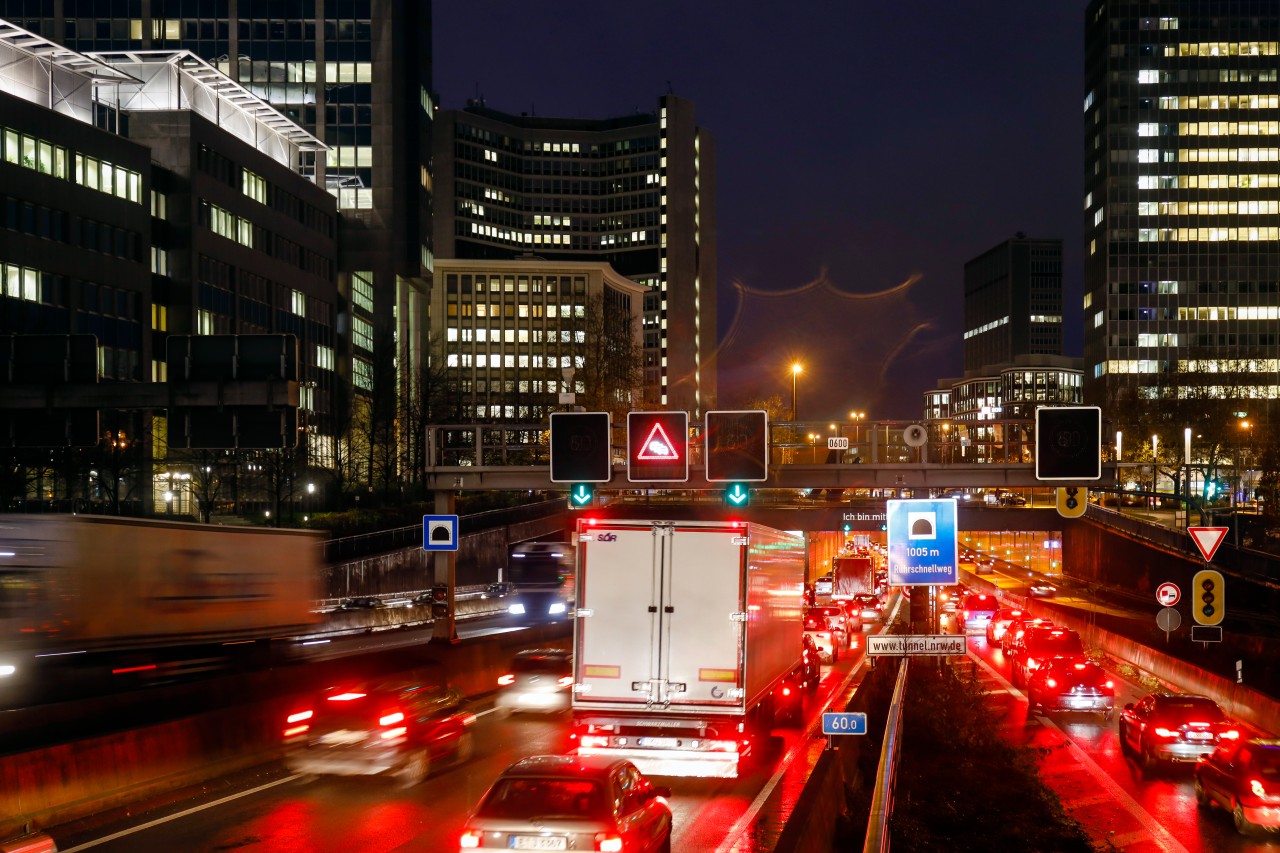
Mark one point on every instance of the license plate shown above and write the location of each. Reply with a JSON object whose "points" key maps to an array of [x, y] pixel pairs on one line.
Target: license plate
{"points": [[659, 742], [539, 842], [1199, 735], [344, 737]]}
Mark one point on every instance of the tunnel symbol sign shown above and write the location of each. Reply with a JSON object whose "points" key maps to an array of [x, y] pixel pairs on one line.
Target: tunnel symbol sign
{"points": [[1168, 594]]}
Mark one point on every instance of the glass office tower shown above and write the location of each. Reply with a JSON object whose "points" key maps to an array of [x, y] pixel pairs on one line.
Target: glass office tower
{"points": [[1182, 201], [357, 74]]}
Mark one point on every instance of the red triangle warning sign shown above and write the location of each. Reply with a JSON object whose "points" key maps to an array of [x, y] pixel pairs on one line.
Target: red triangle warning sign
{"points": [[1207, 540], [658, 447]]}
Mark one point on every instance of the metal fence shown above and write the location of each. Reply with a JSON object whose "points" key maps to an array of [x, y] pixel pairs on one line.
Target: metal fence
{"points": [[877, 839]]}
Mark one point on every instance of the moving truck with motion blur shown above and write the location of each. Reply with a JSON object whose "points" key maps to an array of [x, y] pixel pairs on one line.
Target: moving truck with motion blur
{"points": [[134, 597], [685, 636], [852, 575]]}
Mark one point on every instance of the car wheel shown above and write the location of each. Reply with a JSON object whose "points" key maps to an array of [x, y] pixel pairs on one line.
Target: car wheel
{"points": [[465, 748], [1202, 796], [415, 770], [1242, 823], [1124, 739], [1149, 761]]}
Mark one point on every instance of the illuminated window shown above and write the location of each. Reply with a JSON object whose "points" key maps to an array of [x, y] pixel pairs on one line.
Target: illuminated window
{"points": [[254, 186]]}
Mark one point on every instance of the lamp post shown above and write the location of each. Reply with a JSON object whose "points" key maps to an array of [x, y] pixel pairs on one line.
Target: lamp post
{"points": [[796, 370], [1245, 459], [1155, 466], [311, 492]]}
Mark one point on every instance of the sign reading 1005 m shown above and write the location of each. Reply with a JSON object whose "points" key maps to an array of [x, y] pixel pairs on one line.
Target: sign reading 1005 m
{"points": [[922, 542]]}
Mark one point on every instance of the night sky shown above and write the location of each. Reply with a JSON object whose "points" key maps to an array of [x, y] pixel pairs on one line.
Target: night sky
{"points": [[866, 152]]}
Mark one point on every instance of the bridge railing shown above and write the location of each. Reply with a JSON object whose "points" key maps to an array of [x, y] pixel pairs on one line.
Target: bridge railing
{"points": [[790, 442]]}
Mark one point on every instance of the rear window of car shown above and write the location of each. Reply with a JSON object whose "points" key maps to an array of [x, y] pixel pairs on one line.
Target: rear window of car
{"points": [[980, 602], [540, 663], [1189, 709], [1051, 641], [544, 797], [832, 611], [816, 622]]}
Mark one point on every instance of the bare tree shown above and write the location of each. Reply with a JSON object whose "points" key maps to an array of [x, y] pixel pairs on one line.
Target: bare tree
{"points": [[612, 371]]}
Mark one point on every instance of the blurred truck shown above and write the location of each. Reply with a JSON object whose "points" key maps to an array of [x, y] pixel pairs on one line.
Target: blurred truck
{"points": [[539, 581], [852, 575], [687, 638], [114, 590]]}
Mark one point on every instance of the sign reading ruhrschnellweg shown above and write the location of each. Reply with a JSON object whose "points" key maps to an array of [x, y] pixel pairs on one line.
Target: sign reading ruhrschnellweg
{"points": [[916, 644]]}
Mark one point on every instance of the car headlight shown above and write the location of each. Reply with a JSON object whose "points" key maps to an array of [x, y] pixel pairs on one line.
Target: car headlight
{"points": [[558, 607], [516, 609], [7, 670]]}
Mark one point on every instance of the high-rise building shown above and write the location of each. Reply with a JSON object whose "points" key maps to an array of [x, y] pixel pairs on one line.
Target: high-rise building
{"points": [[357, 75], [1181, 200], [637, 192], [1013, 302]]}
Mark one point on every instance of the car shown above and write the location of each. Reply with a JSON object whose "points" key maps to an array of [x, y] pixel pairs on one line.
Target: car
{"points": [[499, 589], [537, 680], [788, 699], [949, 598], [984, 564], [1038, 646], [571, 802], [826, 639], [822, 586], [399, 726], [1000, 622], [866, 607], [1071, 684], [1018, 628], [1243, 777], [1011, 499], [1039, 587], [363, 602], [977, 609], [1173, 727], [842, 621]]}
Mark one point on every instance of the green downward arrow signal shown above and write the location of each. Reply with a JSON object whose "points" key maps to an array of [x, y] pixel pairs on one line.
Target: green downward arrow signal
{"points": [[581, 495], [737, 494]]}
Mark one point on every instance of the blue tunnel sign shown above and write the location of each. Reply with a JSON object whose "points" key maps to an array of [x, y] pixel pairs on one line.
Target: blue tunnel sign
{"points": [[922, 542]]}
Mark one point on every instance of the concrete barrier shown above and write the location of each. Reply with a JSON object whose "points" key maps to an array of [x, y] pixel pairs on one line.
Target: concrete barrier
{"points": [[48, 787]]}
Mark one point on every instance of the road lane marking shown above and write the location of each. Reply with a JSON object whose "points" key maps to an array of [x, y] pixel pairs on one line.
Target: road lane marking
{"points": [[1158, 833], [733, 836], [125, 832]]}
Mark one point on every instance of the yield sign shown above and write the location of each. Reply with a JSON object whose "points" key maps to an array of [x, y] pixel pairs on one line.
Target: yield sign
{"points": [[1208, 539], [658, 447]]}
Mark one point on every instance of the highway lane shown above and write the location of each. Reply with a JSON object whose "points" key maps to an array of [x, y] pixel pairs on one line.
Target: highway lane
{"points": [[1101, 787], [272, 811]]}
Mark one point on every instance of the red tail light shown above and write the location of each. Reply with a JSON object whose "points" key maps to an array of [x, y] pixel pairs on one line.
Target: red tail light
{"points": [[1256, 787], [1231, 734], [470, 839], [391, 719], [504, 680], [1161, 731], [1032, 663], [1049, 682], [346, 697], [786, 691], [299, 717], [607, 842], [1111, 685]]}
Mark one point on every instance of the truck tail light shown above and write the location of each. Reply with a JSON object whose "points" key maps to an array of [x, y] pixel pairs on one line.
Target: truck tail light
{"points": [[391, 719], [1032, 664], [594, 741]]}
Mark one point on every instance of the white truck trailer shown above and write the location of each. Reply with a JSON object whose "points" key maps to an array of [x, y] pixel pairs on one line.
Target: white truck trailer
{"points": [[685, 632]]}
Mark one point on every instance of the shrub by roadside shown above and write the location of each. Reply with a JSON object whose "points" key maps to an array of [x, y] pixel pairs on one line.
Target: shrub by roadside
{"points": [[961, 787]]}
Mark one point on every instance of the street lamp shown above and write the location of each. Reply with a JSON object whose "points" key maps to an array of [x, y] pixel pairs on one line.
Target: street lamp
{"points": [[1155, 464], [796, 369]]}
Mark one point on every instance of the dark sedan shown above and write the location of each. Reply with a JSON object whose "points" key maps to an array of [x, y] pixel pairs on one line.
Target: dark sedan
{"points": [[1173, 727], [1071, 684], [1243, 777]]}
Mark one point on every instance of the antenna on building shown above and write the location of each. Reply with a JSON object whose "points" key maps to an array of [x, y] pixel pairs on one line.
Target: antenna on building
{"points": [[670, 90]]}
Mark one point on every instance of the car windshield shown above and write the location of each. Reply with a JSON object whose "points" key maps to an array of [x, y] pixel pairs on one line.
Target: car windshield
{"points": [[1190, 709], [543, 797], [1047, 642]]}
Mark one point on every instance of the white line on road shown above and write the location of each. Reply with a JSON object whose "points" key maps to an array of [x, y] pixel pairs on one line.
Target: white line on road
{"points": [[1159, 835], [124, 832]]}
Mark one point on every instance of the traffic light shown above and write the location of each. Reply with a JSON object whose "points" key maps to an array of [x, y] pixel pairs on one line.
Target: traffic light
{"points": [[580, 447], [1208, 597], [737, 494], [581, 496], [657, 446], [1068, 443], [737, 446], [1072, 501]]}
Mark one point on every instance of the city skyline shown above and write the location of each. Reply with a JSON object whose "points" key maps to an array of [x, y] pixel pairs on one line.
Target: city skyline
{"points": [[863, 159]]}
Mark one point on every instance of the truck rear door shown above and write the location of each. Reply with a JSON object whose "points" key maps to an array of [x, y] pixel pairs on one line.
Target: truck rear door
{"points": [[661, 628]]}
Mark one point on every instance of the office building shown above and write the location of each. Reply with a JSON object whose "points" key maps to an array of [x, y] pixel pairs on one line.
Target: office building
{"points": [[513, 335], [636, 192], [145, 194], [1181, 202], [356, 74], [1013, 302]]}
